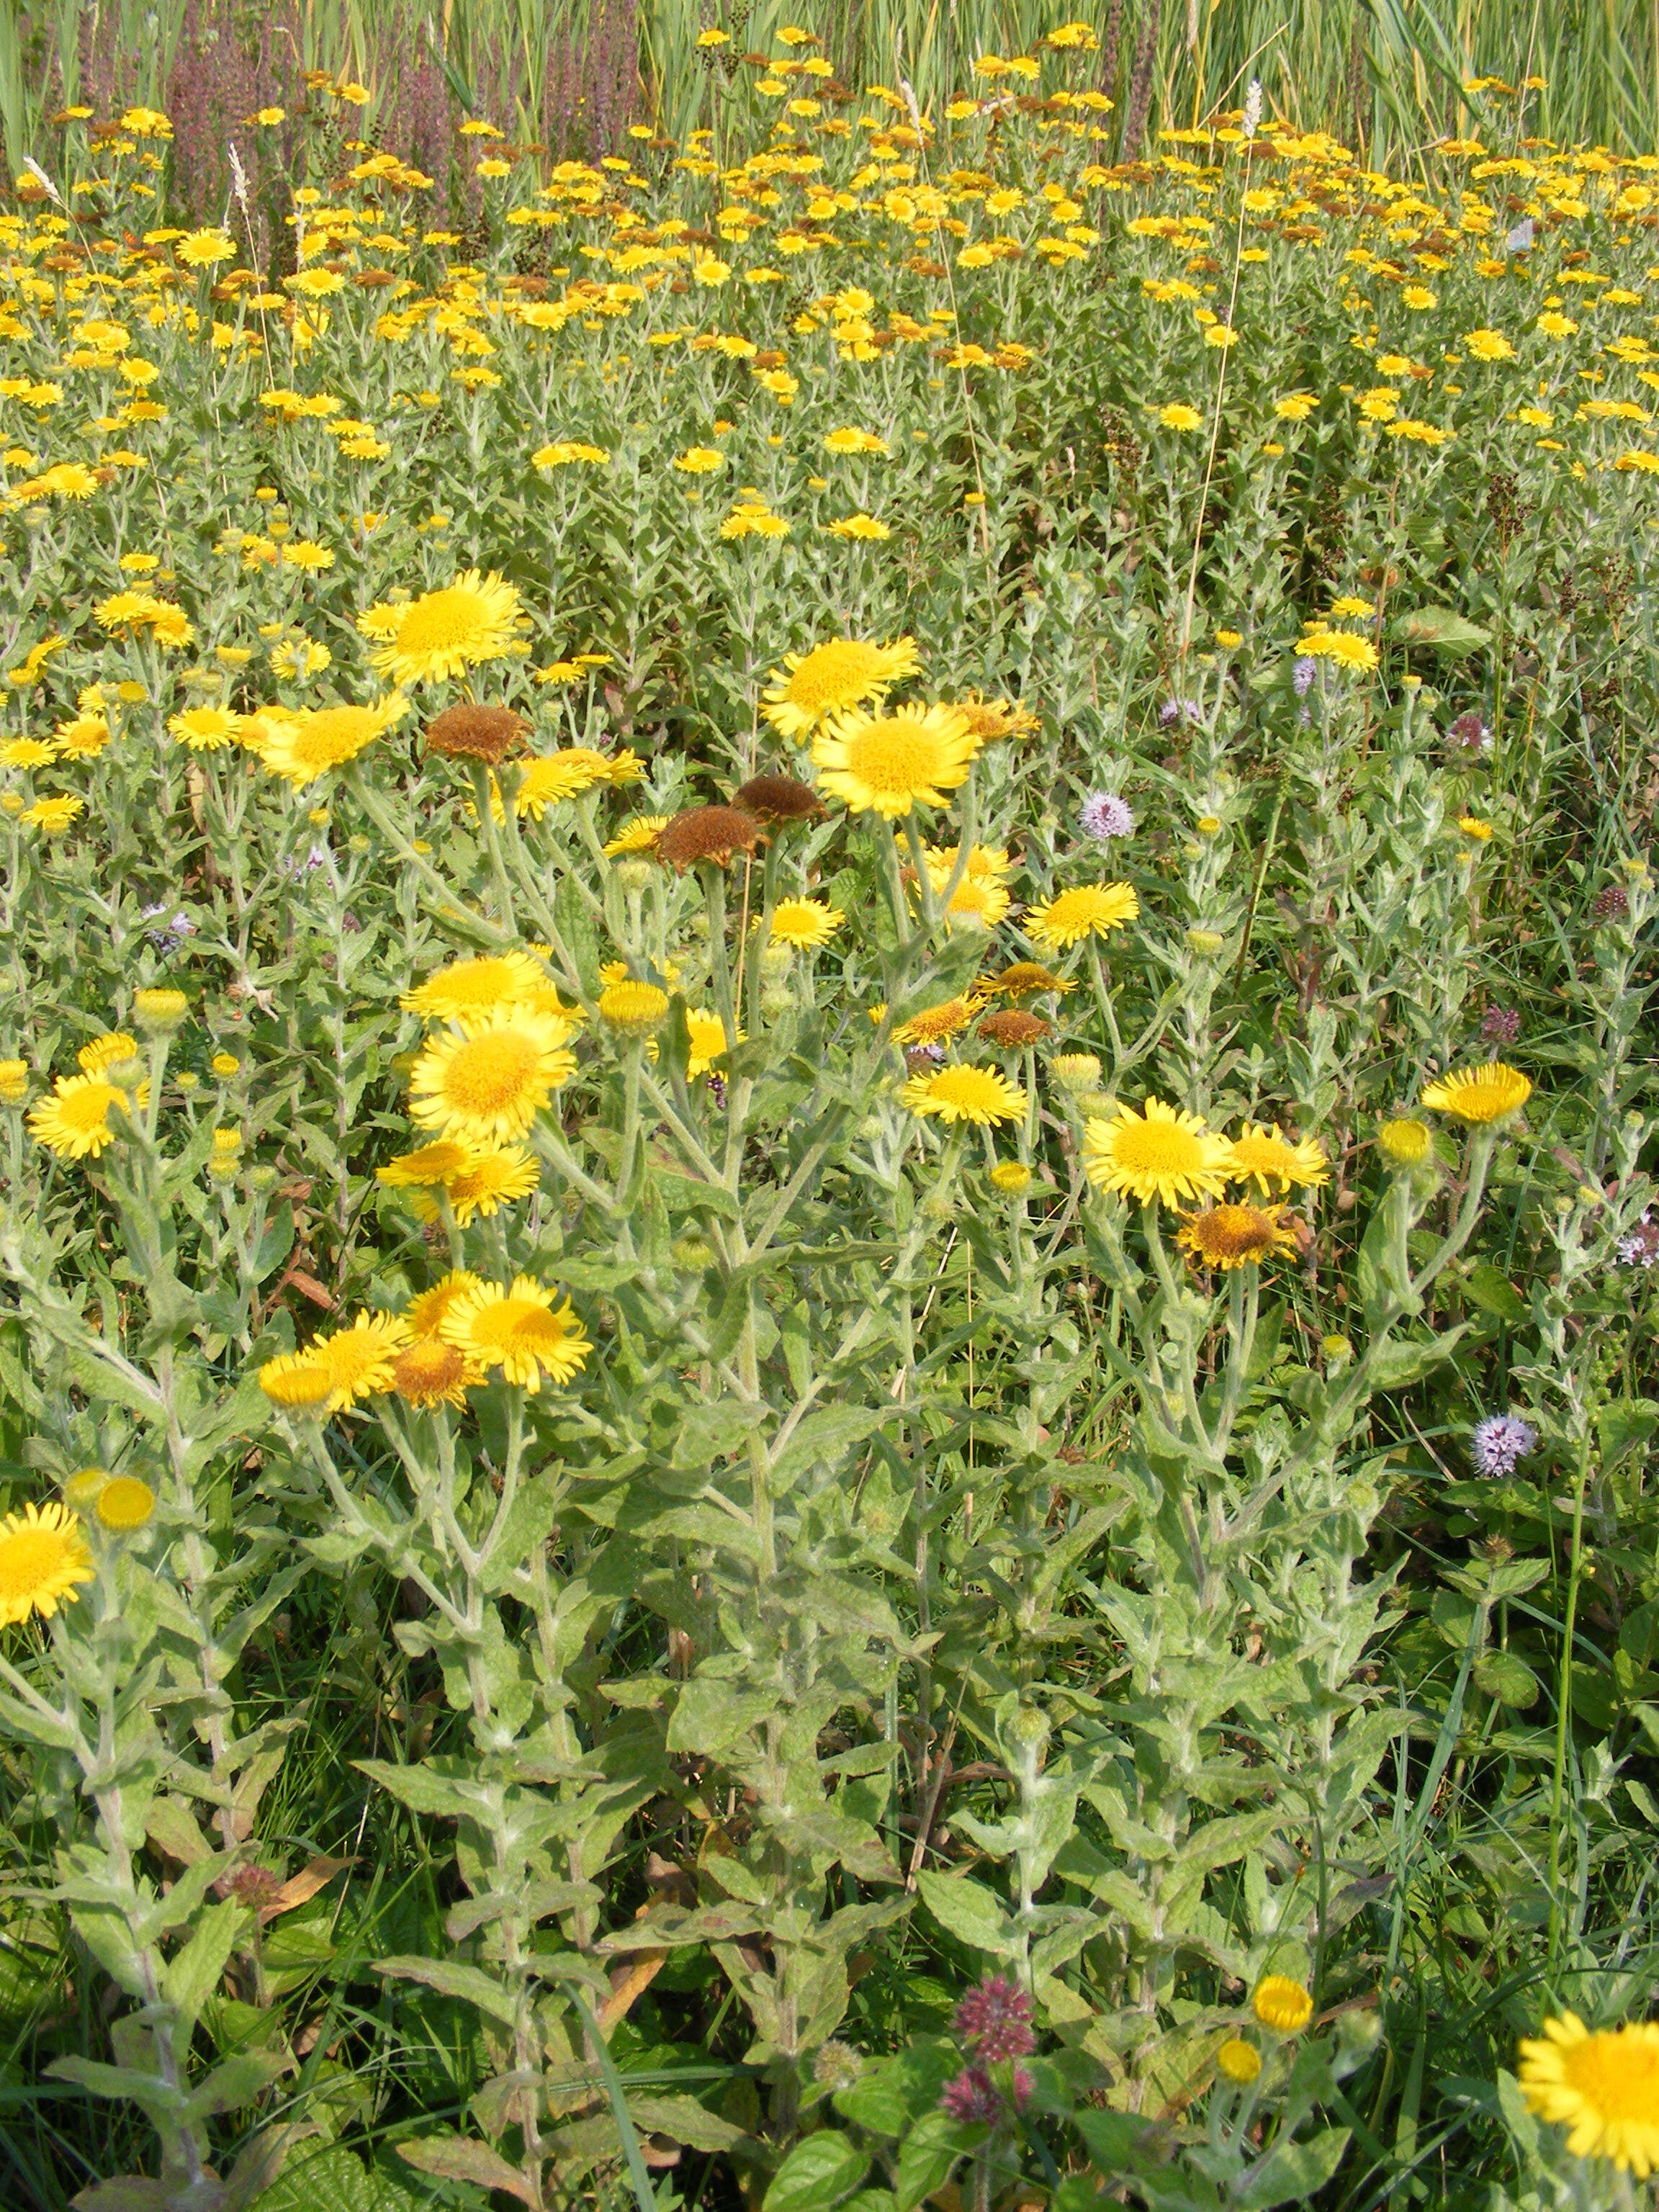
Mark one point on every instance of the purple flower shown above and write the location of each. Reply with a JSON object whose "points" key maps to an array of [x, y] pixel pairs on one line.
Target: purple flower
{"points": [[1501, 1024], [972, 2096], [1639, 1246], [1180, 710], [717, 1089], [1024, 2083], [1303, 673], [167, 936], [1500, 1442], [996, 2019], [1470, 731], [1105, 816]]}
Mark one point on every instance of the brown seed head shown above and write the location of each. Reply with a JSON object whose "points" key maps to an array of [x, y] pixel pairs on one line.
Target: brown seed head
{"points": [[709, 833], [778, 798], [1613, 905], [1009, 1026], [464, 731]]}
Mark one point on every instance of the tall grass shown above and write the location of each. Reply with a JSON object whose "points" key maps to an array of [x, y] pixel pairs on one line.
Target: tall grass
{"points": [[1384, 76]]}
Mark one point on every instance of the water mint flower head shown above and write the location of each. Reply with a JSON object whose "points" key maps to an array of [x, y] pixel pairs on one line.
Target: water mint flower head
{"points": [[1639, 1246], [1501, 1024], [1180, 710], [1500, 1442], [1303, 670], [972, 2096], [996, 2019], [1105, 816]]}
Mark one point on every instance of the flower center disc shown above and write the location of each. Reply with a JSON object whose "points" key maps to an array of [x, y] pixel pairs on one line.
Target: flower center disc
{"points": [[490, 1072]]}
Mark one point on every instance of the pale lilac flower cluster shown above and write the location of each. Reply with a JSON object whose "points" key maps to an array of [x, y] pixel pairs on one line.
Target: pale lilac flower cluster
{"points": [[1639, 1246], [167, 936], [1303, 670], [1500, 1025], [1500, 1442], [1180, 710], [1105, 816]]}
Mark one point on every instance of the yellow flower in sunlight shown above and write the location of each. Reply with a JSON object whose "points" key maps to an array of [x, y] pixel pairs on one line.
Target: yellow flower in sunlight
{"points": [[842, 673], [443, 634], [1602, 2087], [44, 1559], [1163, 1155], [520, 1330], [1231, 1236], [1087, 911], [804, 923], [1275, 1163], [485, 1085], [889, 763], [982, 1096], [1282, 2005], [1479, 1094]]}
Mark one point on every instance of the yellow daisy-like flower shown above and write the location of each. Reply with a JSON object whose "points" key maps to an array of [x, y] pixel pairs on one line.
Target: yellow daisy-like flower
{"points": [[633, 1005], [831, 679], [430, 1372], [1344, 646], [299, 1382], [73, 1118], [1275, 1164], [706, 1034], [1228, 1237], [443, 634], [53, 813], [983, 1095], [1282, 2005], [979, 902], [639, 836], [804, 923], [104, 1051], [204, 249], [1088, 910], [699, 461], [985, 864], [520, 1331], [1180, 417], [358, 1360], [1479, 1094], [44, 1559], [474, 987], [1472, 827], [550, 778], [1013, 1177], [936, 1024], [1603, 2086], [1164, 1154], [485, 1085], [889, 763], [300, 744], [426, 1314], [426, 1165], [488, 1181]]}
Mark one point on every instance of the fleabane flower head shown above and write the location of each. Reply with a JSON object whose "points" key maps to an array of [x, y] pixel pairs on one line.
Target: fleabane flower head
{"points": [[888, 764], [1086, 910], [519, 1329], [1479, 1095], [44, 1559], [1228, 1237], [1603, 2086], [842, 673], [443, 634], [301, 744], [485, 1085], [1277, 1164], [983, 1095], [1163, 1155]]}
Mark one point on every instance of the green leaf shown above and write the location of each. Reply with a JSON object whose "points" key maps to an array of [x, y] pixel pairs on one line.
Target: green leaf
{"points": [[332, 2180], [459, 2158], [1495, 1294], [434, 1786], [1441, 629], [1291, 2172], [930, 2150], [1501, 1675], [820, 2170], [967, 1909], [1394, 1365], [712, 1714], [451, 1977]]}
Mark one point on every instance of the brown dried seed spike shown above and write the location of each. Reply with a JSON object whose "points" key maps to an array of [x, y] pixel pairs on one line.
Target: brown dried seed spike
{"points": [[778, 798], [709, 833], [464, 731]]}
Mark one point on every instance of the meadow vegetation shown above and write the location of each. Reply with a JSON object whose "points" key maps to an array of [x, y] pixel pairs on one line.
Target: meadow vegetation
{"points": [[826, 1367]]}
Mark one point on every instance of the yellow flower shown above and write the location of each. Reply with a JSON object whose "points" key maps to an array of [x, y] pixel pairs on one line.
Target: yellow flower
{"points": [[1164, 1154], [225, 1064], [13, 1081], [1418, 298], [563, 452], [804, 923], [706, 1034], [486, 1182], [1088, 910], [160, 1010], [429, 1372], [73, 1118], [1602, 2087], [54, 813], [549, 778], [1406, 1142], [204, 249], [1012, 1176], [889, 763], [443, 634], [300, 744], [638, 835], [983, 1095], [124, 1503], [1345, 647], [298, 1382], [1479, 1094], [1295, 406], [43, 1560], [855, 441], [934, 1024], [485, 1085], [205, 729], [1473, 826], [633, 1005], [1239, 2061], [104, 1051], [699, 461], [467, 988], [1282, 2005], [357, 1361], [520, 1330], [427, 1163], [1488, 345], [1180, 417], [866, 529], [1228, 1237], [425, 1314], [1275, 1164], [842, 673]]}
